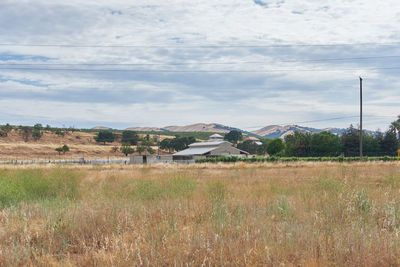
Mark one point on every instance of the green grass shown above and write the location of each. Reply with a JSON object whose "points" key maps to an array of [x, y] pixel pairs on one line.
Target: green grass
{"points": [[37, 185], [172, 188]]}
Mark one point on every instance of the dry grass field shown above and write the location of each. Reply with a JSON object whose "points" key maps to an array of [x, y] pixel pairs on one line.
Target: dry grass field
{"points": [[81, 144], [298, 214]]}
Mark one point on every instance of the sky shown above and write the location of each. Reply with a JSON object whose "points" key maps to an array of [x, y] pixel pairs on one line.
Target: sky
{"points": [[241, 63]]}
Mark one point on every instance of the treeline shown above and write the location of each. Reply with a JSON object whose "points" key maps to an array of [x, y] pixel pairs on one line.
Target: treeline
{"points": [[293, 159], [326, 144]]}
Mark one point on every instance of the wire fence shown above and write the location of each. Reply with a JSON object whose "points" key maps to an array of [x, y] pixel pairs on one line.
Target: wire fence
{"points": [[65, 161]]}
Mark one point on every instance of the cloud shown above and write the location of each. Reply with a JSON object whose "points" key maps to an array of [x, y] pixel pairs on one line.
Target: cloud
{"points": [[277, 84]]}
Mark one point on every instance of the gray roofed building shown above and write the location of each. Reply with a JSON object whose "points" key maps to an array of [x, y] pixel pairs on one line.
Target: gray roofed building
{"points": [[216, 137], [208, 149]]}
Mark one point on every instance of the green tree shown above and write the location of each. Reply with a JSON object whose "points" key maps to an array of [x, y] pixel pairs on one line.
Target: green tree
{"points": [[372, 144], [150, 150], [390, 143], [275, 146], [6, 128], [298, 144], [37, 131], [325, 144], [166, 145], [234, 136], [130, 137], [351, 142], [63, 149], [25, 132], [59, 132], [105, 137], [140, 149], [181, 143], [127, 149]]}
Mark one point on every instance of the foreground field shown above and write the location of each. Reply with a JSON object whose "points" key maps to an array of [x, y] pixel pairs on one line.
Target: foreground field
{"points": [[314, 214]]}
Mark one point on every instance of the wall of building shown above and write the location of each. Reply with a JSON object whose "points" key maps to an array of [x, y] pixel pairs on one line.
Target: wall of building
{"points": [[225, 150]]}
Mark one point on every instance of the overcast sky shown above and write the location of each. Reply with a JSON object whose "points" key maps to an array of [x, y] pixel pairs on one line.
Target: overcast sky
{"points": [[241, 63]]}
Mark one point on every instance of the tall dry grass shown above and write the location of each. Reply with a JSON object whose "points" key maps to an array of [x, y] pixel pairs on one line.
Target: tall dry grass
{"points": [[312, 214]]}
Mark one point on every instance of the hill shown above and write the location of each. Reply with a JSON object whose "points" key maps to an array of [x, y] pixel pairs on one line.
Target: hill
{"points": [[276, 131], [198, 127]]}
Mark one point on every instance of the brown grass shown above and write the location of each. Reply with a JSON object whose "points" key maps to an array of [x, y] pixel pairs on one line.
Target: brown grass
{"points": [[81, 144], [309, 214]]}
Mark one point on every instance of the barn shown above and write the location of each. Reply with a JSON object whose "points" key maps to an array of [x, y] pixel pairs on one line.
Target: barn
{"points": [[208, 149]]}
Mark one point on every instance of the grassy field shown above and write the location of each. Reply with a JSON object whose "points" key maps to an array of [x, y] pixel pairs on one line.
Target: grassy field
{"points": [[310, 214]]}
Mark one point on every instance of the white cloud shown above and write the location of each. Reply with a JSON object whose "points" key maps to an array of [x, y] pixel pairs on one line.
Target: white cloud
{"points": [[177, 98]]}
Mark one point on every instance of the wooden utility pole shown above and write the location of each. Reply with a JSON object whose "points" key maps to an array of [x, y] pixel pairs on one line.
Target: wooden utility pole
{"points": [[361, 125]]}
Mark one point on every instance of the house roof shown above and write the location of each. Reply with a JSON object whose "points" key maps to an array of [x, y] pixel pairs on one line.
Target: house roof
{"points": [[216, 136], [251, 138], [195, 151], [212, 143]]}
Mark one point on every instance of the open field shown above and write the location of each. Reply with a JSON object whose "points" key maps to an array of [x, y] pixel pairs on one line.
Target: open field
{"points": [[311, 214], [81, 144]]}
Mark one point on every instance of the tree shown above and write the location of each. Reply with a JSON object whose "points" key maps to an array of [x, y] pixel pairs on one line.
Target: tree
{"points": [[37, 131], [105, 137], [390, 143], [166, 145], [59, 132], [6, 128], [127, 149], [59, 150], [140, 149], [25, 132], [275, 146], [234, 136], [150, 150], [325, 144], [351, 142], [130, 137], [38, 126], [298, 144], [63, 149]]}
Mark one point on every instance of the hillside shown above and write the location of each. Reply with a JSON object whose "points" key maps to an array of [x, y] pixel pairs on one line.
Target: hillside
{"points": [[81, 144], [276, 131], [198, 127]]}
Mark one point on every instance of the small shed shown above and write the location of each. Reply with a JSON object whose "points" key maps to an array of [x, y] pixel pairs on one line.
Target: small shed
{"points": [[150, 159]]}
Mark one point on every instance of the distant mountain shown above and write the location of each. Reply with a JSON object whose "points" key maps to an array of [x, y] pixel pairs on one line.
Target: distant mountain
{"points": [[198, 127], [271, 131], [101, 128], [276, 131], [145, 129]]}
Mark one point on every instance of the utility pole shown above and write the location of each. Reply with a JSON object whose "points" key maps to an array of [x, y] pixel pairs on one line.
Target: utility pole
{"points": [[361, 126]]}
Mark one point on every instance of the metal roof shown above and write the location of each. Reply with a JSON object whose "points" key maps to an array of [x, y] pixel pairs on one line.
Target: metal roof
{"points": [[195, 151], [216, 136], [213, 143]]}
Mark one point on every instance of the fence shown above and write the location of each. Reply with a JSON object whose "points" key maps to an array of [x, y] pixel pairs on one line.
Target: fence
{"points": [[65, 161]]}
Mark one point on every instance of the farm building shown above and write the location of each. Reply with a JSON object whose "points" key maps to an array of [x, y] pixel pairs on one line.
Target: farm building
{"points": [[253, 140], [150, 159], [216, 137], [208, 149]]}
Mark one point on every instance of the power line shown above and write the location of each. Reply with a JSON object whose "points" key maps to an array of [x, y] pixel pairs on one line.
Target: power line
{"points": [[323, 120], [186, 46], [198, 71], [193, 63]]}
